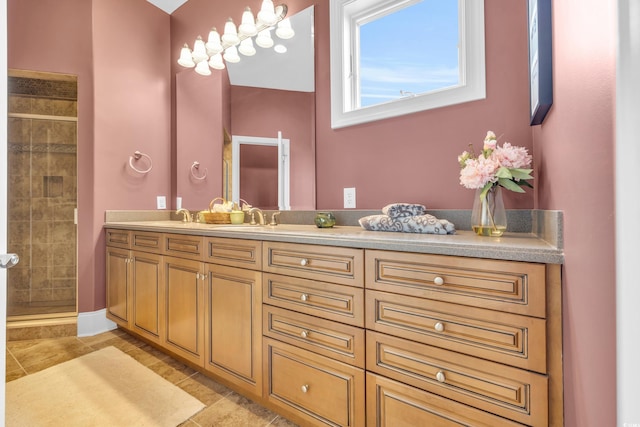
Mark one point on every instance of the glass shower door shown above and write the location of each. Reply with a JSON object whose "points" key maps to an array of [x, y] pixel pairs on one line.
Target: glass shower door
{"points": [[41, 201]]}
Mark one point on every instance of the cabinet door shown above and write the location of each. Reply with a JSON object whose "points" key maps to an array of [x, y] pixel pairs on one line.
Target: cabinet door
{"points": [[118, 286], [234, 326], [147, 296], [184, 308]]}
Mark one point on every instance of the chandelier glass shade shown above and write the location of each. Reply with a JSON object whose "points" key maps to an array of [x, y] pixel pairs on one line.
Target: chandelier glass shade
{"points": [[237, 40]]}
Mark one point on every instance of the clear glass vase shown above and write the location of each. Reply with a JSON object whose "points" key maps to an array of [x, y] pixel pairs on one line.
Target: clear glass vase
{"points": [[489, 217]]}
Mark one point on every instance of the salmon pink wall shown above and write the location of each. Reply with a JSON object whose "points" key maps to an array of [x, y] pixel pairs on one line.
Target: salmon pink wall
{"points": [[201, 111], [574, 149], [40, 33], [413, 158], [132, 111], [120, 51], [264, 112]]}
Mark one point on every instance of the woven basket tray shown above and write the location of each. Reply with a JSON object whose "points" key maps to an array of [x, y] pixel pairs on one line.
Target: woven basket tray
{"points": [[216, 217]]}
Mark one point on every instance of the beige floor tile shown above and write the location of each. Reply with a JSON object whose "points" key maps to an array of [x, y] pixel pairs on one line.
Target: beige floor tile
{"points": [[147, 355], [172, 370], [234, 411], [282, 422], [204, 388], [35, 355]]}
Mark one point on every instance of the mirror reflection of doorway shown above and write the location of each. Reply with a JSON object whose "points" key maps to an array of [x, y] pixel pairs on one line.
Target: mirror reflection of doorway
{"points": [[259, 175], [260, 171]]}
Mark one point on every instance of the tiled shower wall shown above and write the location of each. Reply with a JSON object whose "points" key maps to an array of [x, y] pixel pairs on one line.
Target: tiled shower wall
{"points": [[42, 181]]}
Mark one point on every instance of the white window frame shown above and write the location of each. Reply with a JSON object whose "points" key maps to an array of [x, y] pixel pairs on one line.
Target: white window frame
{"points": [[347, 14]]}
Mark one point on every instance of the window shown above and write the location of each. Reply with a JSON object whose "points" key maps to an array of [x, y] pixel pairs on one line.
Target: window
{"points": [[395, 57]]}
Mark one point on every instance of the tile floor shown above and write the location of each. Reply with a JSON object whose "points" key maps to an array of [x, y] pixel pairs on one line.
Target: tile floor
{"points": [[225, 408]]}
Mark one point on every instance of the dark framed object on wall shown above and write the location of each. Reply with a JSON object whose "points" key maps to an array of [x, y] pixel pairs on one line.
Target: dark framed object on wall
{"points": [[540, 62]]}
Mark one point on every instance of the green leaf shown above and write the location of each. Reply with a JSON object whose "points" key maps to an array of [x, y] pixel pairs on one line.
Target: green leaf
{"points": [[521, 173], [485, 190], [510, 185], [504, 173]]}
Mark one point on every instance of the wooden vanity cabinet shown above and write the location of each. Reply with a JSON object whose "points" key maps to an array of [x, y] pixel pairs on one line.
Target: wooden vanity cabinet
{"points": [[480, 334], [313, 331], [335, 336], [134, 275], [233, 320]]}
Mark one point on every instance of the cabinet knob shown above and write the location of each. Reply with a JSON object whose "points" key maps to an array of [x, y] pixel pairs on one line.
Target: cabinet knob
{"points": [[440, 376], [304, 262], [305, 388], [438, 280], [439, 326], [304, 297], [304, 334]]}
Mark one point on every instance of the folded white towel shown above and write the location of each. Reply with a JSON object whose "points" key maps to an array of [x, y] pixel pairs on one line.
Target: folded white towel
{"points": [[403, 210], [426, 223]]}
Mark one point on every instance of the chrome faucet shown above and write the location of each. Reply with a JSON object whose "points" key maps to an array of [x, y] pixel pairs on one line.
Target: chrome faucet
{"points": [[260, 216], [186, 214]]}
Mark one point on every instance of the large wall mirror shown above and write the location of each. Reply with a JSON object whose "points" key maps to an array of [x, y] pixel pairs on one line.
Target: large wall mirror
{"points": [[268, 94]]}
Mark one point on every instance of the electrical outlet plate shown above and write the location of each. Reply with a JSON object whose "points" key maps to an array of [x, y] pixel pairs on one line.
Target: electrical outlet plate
{"points": [[350, 198], [161, 202]]}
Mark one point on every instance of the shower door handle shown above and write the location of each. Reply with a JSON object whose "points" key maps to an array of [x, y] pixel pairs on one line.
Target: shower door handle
{"points": [[8, 260]]}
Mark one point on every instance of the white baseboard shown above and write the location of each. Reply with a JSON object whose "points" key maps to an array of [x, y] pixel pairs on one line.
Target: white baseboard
{"points": [[94, 323]]}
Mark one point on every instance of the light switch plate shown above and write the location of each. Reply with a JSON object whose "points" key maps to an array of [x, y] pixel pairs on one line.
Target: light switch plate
{"points": [[162, 202]]}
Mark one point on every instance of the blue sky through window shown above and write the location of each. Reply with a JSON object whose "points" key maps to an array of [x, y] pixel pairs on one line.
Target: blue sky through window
{"points": [[413, 50]]}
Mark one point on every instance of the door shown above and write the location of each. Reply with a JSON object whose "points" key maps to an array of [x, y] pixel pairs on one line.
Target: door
{"points": [[3, 198]]}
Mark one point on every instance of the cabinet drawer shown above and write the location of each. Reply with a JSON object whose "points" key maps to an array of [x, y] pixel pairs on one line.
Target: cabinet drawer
{"points": [[329, 264], [316, 389], [146, 241], [184, 246], [334, 302], [234, 252], [502, 337], [118, 238], [514, 287], [392, 404], [332, 339], [510, 392]]}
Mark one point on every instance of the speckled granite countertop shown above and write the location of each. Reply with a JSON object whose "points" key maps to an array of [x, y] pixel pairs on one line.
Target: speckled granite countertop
{"points": [[515, 246]]}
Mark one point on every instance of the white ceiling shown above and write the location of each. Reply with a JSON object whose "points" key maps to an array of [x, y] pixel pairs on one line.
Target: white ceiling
{"points": [[293, 70], [167, 5]]}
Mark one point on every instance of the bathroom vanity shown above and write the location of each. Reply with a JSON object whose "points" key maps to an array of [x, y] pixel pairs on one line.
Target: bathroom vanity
{"points": [[347, 327]]}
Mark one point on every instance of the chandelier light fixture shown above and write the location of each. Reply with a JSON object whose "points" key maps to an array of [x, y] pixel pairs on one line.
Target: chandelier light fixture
{"points": [[237, 40]]}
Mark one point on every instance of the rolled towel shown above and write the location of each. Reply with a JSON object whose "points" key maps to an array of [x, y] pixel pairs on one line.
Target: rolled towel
{"points": [[426, 223], [403, 210]]}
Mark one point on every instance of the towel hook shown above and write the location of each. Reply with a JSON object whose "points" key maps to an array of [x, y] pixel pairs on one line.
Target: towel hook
{"points": [[196, 166], [137, 155]]}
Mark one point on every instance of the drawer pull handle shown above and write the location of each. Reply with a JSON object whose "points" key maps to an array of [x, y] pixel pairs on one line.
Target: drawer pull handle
{"points": [[304, 334], [304, 388], [439, 327], [440, 376], [438, 280], [304, 262], [304, 297]]}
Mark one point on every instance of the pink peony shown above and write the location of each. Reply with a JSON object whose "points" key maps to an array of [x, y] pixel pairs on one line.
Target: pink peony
{"points": [[478, 172], [512, 157], [490, 141]]}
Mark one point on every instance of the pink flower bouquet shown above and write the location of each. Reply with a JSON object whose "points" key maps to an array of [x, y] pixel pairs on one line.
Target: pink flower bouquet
{"points": [[506, 166]]}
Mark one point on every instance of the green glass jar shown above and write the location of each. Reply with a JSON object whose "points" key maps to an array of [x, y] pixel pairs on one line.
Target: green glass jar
{"points": [[325, 220]]}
